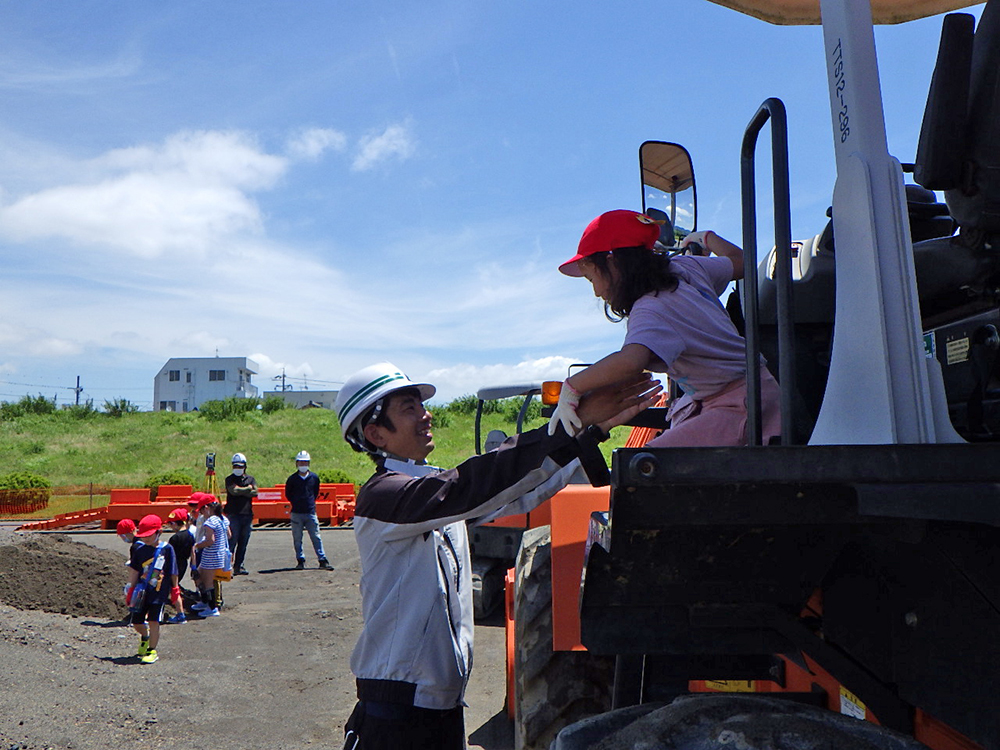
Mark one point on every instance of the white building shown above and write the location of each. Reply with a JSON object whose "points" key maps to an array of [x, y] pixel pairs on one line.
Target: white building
{"points": [[302, 399], [185, 383]]}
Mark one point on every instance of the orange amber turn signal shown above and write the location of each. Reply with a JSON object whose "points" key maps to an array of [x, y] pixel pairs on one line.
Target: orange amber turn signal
{"points": [[550, 392]]}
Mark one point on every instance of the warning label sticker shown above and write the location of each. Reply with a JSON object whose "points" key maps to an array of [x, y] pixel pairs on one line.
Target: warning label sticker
{"points": [[850, 704], [731, 686], [957, 351]]}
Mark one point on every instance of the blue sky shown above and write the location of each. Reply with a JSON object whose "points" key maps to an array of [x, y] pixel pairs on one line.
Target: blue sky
{"points": [[322, 185]]}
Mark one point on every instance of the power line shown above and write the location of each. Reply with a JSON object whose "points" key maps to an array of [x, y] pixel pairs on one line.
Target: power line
{"points": [[36, 385]]}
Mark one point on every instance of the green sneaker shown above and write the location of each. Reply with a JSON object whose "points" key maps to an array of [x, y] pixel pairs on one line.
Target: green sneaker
{"points": [[143, 647], [150, 657]]}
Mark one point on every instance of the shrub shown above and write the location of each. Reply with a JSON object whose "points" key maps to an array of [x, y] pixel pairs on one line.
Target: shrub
{"points": [[229, 408], [28, 405], [271, 404], [23, 480], [462, 405], [167, 477], [511, 407], [85, 410], [334, 476], [119, 407]]}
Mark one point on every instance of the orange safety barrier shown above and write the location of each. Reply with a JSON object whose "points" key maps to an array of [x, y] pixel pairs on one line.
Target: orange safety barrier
{"points": [[334, 506], [134, 511], [129, 495], [64, 519], [177, 494]]}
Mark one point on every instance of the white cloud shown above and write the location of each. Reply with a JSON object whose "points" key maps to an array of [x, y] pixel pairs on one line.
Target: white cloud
{"points": [[36, 342], [312, 143], [33, 74], [463, 379], [269, 372], [187, 195], [199, 343], [395, 141], [51, 346]]}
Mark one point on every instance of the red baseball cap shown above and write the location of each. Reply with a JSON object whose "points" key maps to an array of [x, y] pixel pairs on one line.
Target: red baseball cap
{"points": [[148, 525], [178, 514], [196, 498], [126, 526], [205, 499], [612, 230]]}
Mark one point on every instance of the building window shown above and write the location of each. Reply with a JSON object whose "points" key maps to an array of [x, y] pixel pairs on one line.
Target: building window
{"points": [[188, 377], [216, 374], [184, 406], [174, 375], [168, 406]]}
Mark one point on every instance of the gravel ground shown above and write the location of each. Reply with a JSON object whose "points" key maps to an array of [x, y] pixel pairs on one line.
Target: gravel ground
{"points": [[271, 672]]}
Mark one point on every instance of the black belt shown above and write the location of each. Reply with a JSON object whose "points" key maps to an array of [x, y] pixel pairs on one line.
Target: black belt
{"points": [[393, 699], [386, 691]]}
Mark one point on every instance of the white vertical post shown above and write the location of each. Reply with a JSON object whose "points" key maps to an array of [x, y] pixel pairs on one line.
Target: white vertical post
{"points": [[878, 390]]}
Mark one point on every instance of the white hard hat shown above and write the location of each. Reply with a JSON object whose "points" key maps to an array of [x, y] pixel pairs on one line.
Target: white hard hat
{"points": [[239, 458], [364, 390], [303, 456]]}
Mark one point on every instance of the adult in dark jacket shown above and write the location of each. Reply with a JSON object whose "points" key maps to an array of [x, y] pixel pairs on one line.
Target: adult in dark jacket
{"points": [[414, 655], [301, 490], [241, 489]]}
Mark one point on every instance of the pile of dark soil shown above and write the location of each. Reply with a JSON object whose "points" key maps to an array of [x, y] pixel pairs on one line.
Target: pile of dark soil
{"points": [[52, 573]]}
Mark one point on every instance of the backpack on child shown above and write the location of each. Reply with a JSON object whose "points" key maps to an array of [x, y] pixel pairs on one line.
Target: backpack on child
{"points": [[151, 581]]}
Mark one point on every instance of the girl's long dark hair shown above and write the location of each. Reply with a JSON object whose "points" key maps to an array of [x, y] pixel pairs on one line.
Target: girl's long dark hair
{"points": [[639, 271]]}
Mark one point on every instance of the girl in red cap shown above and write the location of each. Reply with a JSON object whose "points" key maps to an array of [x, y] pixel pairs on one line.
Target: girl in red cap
{"points": [[676, 324], [212, 553]]}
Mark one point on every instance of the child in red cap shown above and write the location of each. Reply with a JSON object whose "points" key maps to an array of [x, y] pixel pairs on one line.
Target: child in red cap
{"points": [[182, 540], [676, 324], [211, 551], [152, 583]]}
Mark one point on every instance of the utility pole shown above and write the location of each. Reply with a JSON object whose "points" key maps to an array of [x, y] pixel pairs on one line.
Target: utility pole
{"points": [[77, 390], [281, 377]]}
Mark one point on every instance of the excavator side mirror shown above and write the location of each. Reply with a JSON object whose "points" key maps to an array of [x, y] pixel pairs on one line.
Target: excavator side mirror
{"points": [[668, 188]]}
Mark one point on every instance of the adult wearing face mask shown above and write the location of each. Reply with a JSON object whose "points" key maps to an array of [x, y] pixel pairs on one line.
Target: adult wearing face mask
{"points": [[241, 489], [301, 490]]}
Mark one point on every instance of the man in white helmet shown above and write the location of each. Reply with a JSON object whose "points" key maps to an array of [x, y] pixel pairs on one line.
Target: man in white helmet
{"points": [[414, 655], [241, 489], [301, 490]]}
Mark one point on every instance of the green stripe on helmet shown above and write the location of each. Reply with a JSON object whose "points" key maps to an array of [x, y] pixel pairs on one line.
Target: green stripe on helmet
{"points": [[366, 391]]}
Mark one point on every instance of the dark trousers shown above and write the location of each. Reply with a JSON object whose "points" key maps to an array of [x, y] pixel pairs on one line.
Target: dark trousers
{"points": [[240, 526], [387, 726]]}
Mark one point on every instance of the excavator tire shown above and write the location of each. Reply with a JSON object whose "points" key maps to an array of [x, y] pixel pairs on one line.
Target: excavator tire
{"points": [[551, 688], [723, 722]]}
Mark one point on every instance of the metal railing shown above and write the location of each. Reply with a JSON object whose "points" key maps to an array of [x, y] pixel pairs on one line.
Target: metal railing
{"points": [[773, 110]]}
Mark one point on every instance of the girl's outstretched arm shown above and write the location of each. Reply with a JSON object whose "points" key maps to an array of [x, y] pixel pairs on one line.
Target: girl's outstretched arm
{"points": [[628, 362]]}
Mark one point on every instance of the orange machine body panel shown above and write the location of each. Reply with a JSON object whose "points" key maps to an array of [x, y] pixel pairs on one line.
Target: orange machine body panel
{"points": [[571, 509]]}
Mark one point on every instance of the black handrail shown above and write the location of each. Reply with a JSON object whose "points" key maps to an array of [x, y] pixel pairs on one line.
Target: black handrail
{"points": [[774, 110]]}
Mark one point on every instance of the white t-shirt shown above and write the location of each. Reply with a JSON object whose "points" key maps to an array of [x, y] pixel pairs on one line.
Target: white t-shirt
{"points": [[688, 330]]}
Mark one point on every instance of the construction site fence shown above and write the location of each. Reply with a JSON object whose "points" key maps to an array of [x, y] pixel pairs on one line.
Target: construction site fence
{"points": [[17, 502]]}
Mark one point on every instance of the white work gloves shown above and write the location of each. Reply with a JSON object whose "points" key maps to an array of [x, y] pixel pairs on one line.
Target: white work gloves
{"points": [[699, 238], [565, 413]]}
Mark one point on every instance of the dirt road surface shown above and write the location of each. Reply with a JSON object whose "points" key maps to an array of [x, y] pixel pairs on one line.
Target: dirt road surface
{"points": [[271, 672]]}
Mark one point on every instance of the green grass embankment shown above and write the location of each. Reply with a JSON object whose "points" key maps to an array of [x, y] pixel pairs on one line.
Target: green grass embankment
{"points": [[125, 451]]}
